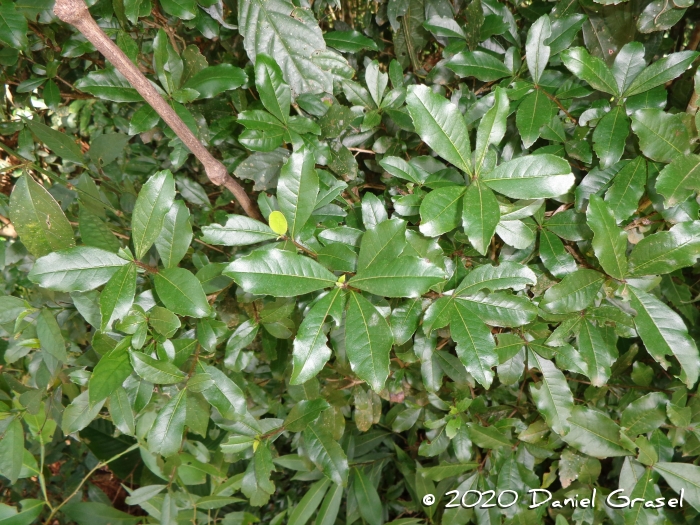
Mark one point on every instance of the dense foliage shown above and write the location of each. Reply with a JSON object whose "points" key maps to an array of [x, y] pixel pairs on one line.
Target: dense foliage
{"points": [[478, 271]]}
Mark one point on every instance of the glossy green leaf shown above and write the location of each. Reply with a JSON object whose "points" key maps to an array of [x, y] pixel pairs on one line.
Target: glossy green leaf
{"points": [[475, 345], [213, 80], [552, 394], [368, 501], [536, 51], [531, 177], [110, 372], [60, 143], [75, 270], [326, 454], [154, 370], [609, 241], [402, 277], [627, 189], [662, 136], [590, 69], [49, 334], [660, 72], [176, 236], [575, 292], [480, 216], [610, 135], [118, 295], [181, 292], [594, 433], [12, 450], [304, 413], [480, 65], [165, 437], [682, 476], [665, 252], [225, 395], [154, 201], [440, 210], [679, 180], [297, 190], [238, 231]]}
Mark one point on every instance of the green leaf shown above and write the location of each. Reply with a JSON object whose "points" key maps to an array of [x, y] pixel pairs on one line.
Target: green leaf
{"points": [[500, 309], [214, 80], [609, 242], [50, 337], [106, 148], [682, 476], [349, 41], [368, 502], [239, 230], [627, 188], [80, 413], [664, 333], [268, 27], [11, 308], [590, 69], [440, 210], [661, 71], [480, 65], [311, 351], [629, 62], [152, 204], [60, 143], [110, 372], [108, 84], [440, 125], [597, 352], [38, 218], [667, 251], [13, 26], [531, 177], [569, 225], [165, 437], [181, 292], [492, 127], [535, 111], [662, 136], [274, 91], [376, 82], [94, 232], [610, 135], [12, 451], [304, 413], [487, 437], [475, 345], [176, 236], [574, 293], [279, 273], [384, 242], [117, 297], [645, 414], [536, 51], [679, 180], [480, 216], [554, 256], [154, 370], [183, 9], [406, 276], [309, 503], [552, 394], [594, 433], [368, 341], [297, 190], [506, 275], [326, 454], [76, 269], [163, 321], [144, 119], [328, 512], [224, 394], [121, 412]]}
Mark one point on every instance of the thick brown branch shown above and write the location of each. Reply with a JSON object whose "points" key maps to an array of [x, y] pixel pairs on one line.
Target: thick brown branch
{"points": [[75, 13]]}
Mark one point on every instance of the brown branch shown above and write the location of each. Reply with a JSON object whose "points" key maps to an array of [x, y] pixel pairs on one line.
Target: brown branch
{"points": [[75, 13]]}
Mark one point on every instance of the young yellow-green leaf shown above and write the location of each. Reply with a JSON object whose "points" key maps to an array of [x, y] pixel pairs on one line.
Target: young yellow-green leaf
{"points": [[594, 433], [682, 476], [475, 345], [440, 125], [77, 269], [609, 241], [440, 210], [535, 110], [326, 454], [407, 276], [279, 273], [152, 204], [239, 230], [297, 190], [663, 332], [552, 394], [49, 334], [368, 341], [278, 223], [480, 215], [667, 251], [117, 297], [610, 135], [627, 188], [662, 136], [174, 239], [38, 219], [311, 351], [181, 292], [304, 413], [679, 180], [574, 293], [492, 127], [154, 370], [590, 69], [165, 437], [60, 143], [531, 177]]}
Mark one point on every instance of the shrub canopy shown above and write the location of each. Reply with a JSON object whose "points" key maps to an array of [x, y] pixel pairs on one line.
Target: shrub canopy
{"points": [[477, 268]]}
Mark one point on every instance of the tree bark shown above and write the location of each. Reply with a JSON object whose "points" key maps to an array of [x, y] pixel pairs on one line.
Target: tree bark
{"points": [[75, 13]]}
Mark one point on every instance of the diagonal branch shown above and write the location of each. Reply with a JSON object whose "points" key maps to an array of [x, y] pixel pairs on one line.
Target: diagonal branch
{"points": [[75, 13]]}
